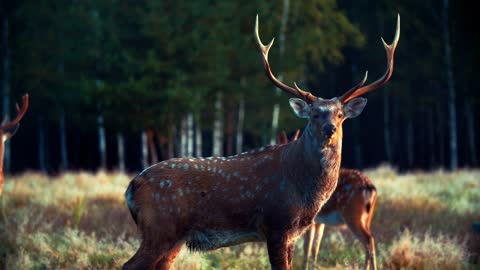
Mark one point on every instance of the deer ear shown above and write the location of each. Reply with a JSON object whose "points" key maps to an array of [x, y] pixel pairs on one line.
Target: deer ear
{"points": [[354, 107], [300, 107]]}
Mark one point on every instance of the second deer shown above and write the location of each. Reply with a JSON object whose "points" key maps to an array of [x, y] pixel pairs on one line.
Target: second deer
{"points": [[352, 204], [7, 130]]}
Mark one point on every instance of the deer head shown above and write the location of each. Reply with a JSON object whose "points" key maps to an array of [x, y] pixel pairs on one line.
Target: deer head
{"points": [[326, 116], [7, 130]]}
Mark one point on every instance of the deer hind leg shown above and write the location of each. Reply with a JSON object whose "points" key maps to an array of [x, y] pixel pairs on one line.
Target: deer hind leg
{"points": [[357, 219], [320, 227], [307, 245]]}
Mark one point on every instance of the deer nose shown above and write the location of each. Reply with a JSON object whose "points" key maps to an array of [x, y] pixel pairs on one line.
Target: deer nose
{"points": [[329, 130]]}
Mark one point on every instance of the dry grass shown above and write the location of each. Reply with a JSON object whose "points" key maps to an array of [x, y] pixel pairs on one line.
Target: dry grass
{"points": [[80, 221]]}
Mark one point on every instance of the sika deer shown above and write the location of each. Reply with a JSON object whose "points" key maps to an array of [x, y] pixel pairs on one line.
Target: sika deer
{"points": [[352, 204], [269, 194], [7, 130]]}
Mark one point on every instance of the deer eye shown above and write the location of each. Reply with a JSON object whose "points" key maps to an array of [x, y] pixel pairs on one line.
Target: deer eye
{"points": [[316, 116], [340, 115]]}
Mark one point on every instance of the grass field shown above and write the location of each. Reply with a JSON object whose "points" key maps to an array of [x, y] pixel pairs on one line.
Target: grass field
{"points": [[80, 221]]}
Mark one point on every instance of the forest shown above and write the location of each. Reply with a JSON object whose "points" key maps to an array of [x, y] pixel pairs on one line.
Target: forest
{"points": [[117, 84]]}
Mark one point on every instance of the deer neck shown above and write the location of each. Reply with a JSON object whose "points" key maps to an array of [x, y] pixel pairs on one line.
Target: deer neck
{"points": [[313, 166]]}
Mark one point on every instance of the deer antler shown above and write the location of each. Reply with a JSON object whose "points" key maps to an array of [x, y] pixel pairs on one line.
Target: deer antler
{"points": [[305, 95], [20, 113], [358, 90]]}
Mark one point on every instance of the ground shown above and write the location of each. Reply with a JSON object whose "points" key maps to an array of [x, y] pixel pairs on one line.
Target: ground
{"points": [[423, 220]]}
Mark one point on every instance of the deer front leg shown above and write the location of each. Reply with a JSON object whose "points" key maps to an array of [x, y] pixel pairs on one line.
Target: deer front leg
{"points": [[278, 250], [291, 248]]}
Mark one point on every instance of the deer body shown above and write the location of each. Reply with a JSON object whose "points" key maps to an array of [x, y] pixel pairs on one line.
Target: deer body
{"points": [[353, 204], [271, 194]]}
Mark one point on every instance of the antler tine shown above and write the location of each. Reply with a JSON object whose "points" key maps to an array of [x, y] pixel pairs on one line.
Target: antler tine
{"points": [[20, 113], [296, 135], [390, 51], [264, 49]]}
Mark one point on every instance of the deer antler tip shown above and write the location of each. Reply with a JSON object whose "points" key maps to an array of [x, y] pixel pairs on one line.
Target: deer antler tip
{"points": [[364, 78]]}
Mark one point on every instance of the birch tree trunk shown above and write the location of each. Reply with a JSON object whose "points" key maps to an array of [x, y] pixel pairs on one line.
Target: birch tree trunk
{"points": [[63, 142], [276, 106], [102, 145], [182, 148], [121, 152], [469, 115], [172, 133], [6, 87], [144, 149], [189, 127], [230, 131], [218, 126], [241, 120], [452, 110], [198, 137]]}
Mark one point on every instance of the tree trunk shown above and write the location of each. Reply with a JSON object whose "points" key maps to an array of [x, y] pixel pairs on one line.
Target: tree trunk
{"points": [[121, 152], [440, 130], [230, 131], [395, 132], [63, 142], [172, 133], [198, 137], [42, 164], [452, 111], [144, 149], [189, 127], [102, 145], [182, 147], [469, 115], [410, 142], [218, 126], [241, 120], [386, 128], [281, 53], [431, 140], [152, 150], [6, 86]]}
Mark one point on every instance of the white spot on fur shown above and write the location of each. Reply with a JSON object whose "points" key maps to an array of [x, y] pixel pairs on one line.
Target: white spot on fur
{"points": [[173, 166], [185, 166]]}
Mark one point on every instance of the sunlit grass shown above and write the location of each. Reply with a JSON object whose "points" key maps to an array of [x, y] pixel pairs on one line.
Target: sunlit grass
{"points": [[80, 221]]}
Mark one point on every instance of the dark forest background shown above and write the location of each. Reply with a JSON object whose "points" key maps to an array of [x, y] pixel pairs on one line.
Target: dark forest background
{"points": [[120, 84]]}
